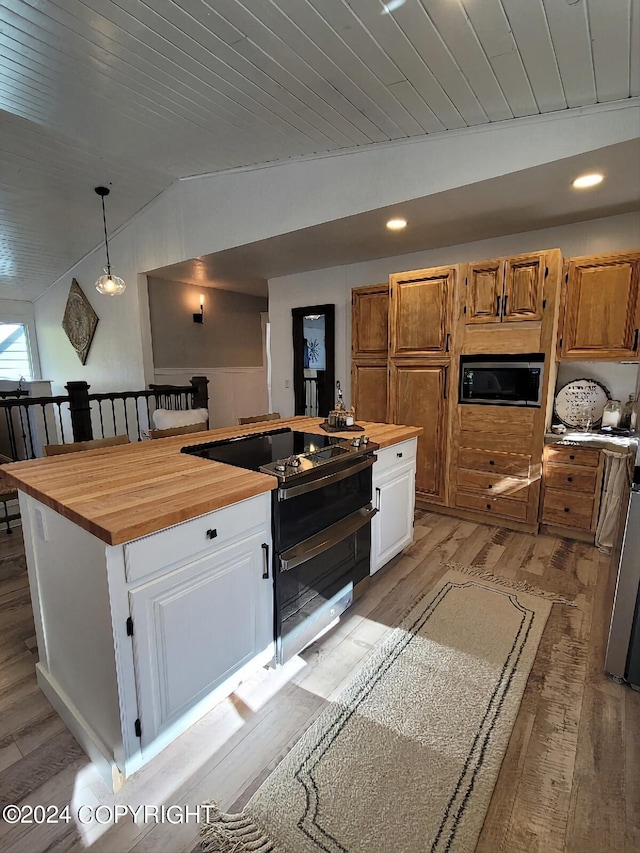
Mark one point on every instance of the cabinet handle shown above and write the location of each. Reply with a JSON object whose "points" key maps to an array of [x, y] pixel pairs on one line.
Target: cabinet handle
{"points": [[378, 493], [488, 506], [498, 305], [490, 486], [446, 344], [446, 377], [504, 304], [211, 534], [569, 479], [566, 509], [635, 340], [571, 456], [491, 462], [399, 455], [265, 561]]}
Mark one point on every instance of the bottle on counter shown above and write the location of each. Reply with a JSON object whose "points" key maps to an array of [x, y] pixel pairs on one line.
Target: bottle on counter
{"points": [[627, 412], [612, 414]]}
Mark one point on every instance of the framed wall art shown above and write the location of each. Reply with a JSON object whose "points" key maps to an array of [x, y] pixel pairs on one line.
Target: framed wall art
{"points": [[79, 321]]}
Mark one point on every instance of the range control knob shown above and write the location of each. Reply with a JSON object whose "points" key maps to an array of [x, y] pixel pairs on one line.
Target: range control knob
{"points": [[280, 465], [355, 442], [364, 439], [293, 462]]}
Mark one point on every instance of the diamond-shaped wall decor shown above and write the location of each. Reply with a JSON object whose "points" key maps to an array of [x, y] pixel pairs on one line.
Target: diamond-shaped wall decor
{"points": [[79, 321]]}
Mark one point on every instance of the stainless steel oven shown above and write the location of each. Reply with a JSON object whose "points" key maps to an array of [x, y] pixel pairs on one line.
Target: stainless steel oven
{"points": [[321, 523], [502, 380]]}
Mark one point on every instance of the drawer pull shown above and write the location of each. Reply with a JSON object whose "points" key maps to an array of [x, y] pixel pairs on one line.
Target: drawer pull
{"points": [[491, 462], [490, 486], [566, 509], [265, 564], [212, 533], [399, 455], [488, 506], [569, 479], [572, 456]]}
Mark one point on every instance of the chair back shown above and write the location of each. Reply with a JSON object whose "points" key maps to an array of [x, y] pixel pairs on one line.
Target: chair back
{"points": [[59, 449], [270, 416], [179, 430]]}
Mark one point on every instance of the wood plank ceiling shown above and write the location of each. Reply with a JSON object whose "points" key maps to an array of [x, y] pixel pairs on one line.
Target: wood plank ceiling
{"points": [[137, 94]]}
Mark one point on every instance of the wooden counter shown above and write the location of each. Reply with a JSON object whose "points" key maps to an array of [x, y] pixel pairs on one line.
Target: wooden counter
{"points": [[121, 493]]}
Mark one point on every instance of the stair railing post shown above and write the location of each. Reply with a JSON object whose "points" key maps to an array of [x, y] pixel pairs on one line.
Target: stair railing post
{"points": [[200, 392], [80, 410]]}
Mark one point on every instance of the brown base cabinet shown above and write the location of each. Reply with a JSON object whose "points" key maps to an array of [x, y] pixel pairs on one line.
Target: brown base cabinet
{"points": [[572, 482]]}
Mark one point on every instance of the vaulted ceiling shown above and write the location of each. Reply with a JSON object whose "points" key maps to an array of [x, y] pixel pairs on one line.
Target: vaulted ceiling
{"points": [[136, 94]]}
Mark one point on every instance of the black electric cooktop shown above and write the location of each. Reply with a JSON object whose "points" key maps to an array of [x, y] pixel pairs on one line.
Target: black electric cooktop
{"points": [[266, 451]]}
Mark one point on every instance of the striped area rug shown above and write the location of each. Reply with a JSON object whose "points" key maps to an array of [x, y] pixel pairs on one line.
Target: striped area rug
{"points": [[407, 757]]}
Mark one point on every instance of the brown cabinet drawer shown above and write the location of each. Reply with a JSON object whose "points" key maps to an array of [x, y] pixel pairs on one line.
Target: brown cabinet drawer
{"points": [[567, 477], [515, 464], [567, 509], [495, 506], [569, 455], [493, 485]]}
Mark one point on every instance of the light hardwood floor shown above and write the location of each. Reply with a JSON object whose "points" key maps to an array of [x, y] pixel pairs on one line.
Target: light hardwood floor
{"points": [[570, 780]]}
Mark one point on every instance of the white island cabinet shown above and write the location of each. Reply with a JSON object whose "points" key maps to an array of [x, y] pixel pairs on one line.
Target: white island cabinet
{"points": [[137, 641], [394, 493]]}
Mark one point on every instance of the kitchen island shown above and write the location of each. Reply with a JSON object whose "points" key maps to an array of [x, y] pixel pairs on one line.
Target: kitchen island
{"points": [[150, 581]]}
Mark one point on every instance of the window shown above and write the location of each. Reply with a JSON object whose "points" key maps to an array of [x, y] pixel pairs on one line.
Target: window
{"points": [[15, 357]]}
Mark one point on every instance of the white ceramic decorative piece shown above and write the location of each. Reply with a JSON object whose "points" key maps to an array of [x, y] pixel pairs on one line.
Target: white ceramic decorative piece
{"points": [[578, 397]]}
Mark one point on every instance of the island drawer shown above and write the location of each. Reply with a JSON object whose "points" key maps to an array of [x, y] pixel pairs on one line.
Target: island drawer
{"points": [[396, 454], [496, 506], [580, 479], [569, 455], [567, 509], [493, 485], [515, 464], [179, 544]]}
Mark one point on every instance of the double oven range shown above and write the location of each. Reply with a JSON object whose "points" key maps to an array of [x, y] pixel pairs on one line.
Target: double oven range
{"points": [[321, 523]]}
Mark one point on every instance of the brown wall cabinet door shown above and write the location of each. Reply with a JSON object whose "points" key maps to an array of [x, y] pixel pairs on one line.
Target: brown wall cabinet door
{"points": [[484, 292], [421, 311], [419, 397], [523, 288], [369, 390], [370, 321], [601, 308]]}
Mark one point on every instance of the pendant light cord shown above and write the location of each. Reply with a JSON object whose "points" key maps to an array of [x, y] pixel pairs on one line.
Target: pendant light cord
{"points": [[106, 241]]}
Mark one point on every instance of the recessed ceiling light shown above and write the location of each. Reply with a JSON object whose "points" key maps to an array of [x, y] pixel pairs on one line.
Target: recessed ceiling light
{"points": [[396, 224], [585, 181]]}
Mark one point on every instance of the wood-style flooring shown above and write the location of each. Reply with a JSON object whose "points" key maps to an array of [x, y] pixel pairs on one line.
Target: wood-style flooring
{"points": [[570, 780]]}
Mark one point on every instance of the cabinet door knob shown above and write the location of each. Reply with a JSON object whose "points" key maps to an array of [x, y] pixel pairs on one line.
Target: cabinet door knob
{"points": [[212, 533], [265, 561]]}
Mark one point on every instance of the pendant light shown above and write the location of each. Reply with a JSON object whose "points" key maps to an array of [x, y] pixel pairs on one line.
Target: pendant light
{"points": [[108, 284]]}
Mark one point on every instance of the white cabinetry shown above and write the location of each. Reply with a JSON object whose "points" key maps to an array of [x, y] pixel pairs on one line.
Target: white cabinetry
{"points": [[138, 641], [394, 490]]}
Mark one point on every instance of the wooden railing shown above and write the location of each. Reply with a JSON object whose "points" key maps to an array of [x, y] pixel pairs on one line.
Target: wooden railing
{"points": [[30, 423]]}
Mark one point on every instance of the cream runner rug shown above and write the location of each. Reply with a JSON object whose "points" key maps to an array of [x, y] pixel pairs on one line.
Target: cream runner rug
{"points": [[407, 757]]}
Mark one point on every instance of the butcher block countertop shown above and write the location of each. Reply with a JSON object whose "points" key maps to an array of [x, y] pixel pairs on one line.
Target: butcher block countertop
{"points": [[124, 492]]}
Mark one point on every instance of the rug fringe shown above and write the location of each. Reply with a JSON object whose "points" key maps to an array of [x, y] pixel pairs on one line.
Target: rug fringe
{"points": [[231, 833], [517, 586]]}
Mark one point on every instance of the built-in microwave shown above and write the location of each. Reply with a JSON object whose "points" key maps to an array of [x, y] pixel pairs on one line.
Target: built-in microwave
{"points": [[502, 380]]}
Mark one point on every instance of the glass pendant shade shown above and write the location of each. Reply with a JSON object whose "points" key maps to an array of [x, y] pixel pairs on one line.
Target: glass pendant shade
{"points": [[110, 285]]}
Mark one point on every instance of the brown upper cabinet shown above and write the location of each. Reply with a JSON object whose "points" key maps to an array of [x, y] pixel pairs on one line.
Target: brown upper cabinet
{"points": [[369, 390], [506, 290], [421, 312], [370, 321], [601, 308]]}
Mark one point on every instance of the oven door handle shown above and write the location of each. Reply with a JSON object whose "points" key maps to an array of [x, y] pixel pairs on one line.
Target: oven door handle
{"points": [[312, 485], [321, 542]]}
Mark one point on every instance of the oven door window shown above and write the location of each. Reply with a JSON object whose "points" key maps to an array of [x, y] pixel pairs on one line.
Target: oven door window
{"points": [[304, 589]]}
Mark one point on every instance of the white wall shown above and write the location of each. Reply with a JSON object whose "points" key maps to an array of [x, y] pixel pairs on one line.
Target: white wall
{"points": [[209, 214], [334, 286]]}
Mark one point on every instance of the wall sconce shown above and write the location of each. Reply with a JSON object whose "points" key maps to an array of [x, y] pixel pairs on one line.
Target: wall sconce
{"points": [[198, 316]]}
